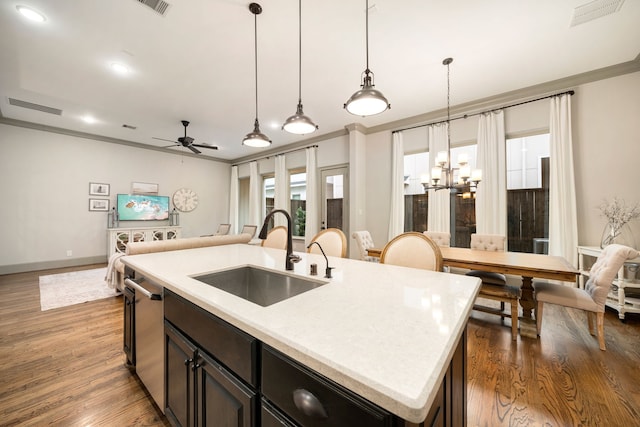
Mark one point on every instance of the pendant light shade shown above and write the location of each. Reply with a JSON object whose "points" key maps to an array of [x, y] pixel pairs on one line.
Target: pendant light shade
{"points": [[256, 138], [299, 123], [368, 100]]}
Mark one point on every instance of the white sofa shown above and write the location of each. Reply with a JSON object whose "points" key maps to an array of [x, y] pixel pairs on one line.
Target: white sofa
{"points": [[115, 269]]}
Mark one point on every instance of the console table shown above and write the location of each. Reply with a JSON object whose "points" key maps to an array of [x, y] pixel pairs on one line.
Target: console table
{"points": [[117, 238], [617, 298]]}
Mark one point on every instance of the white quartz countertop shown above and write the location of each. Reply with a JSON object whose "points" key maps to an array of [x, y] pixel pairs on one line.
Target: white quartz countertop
{"points": [[385, 332]]}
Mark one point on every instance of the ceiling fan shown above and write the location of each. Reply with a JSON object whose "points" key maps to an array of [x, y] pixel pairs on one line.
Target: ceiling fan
{"points": [[187, 141]]}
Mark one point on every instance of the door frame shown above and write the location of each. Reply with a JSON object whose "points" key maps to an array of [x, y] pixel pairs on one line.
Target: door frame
{"points": [[342, 169]]}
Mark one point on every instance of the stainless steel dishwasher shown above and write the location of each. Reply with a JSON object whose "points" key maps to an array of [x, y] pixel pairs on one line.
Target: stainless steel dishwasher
{"points": [[149, 336]]}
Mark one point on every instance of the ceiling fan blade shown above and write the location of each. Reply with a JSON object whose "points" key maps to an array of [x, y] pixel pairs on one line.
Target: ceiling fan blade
{"points": [[162, 139], [212, 147], [167, 146], [195, 150]]}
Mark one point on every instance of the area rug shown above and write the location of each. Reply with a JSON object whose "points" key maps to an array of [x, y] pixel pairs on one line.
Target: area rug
{"points": [[75, 287]]}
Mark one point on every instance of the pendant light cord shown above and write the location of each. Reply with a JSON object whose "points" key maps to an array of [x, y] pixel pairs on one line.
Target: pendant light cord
{"points": [[367, 32], [255, 42], [448, 112], [299, 51]]}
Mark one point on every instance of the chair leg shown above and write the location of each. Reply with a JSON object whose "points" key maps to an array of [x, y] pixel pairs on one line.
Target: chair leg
{"points": [[600, 322], [590, 321], [538, 314], [514, 319]]}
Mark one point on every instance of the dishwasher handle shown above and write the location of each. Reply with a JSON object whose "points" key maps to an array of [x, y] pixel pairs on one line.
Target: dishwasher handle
{"points": [[142, 290]]}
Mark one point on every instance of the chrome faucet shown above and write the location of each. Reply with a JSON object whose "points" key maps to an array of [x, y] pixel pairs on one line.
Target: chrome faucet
{"points": [[327, 271], [291, 257]]}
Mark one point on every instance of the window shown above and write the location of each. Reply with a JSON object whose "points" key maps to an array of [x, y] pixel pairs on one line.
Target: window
{"points": [[298, 201], [416, 201], [528, 193], [416, 166], [268, 196], [297, 196]]}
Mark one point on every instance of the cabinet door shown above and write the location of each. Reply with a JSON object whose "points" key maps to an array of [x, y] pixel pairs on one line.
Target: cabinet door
{"points": [[129, 322], [222, 400], [179, 373]]}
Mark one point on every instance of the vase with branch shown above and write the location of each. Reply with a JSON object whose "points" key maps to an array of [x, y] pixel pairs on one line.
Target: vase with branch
{"points": [[617, 229]]}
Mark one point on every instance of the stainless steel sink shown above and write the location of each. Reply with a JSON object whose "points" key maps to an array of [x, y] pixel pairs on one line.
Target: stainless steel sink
{"points": [[263, 287]]}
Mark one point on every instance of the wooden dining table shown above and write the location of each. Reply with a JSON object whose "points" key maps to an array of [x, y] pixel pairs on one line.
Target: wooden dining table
{"points": [[526, 265]]}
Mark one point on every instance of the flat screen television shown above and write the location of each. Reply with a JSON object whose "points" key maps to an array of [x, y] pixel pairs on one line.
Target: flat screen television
{"points": [[140, 207]]}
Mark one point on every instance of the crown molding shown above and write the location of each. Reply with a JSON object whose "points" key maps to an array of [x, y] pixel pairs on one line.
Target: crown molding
{"points": [[520, 95], [86, 135]]}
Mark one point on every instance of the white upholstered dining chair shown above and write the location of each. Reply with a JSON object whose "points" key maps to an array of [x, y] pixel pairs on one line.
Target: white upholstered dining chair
{"points": [[494, 285], [333, 242], [364, 241], [223, 229], [276, 238], [249, 229], [441, 238], [412, 249], [592, 298]]}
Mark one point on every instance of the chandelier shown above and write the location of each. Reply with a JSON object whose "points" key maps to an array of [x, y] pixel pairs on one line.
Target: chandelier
{"points": [[443, 174]]}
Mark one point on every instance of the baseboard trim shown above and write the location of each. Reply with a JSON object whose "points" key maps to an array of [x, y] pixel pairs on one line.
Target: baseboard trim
{"points": [[46, 265]]}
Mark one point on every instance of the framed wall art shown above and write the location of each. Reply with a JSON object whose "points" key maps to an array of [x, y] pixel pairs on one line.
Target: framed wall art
{"points": [[99, 205], [144, 188], [98, 189]]}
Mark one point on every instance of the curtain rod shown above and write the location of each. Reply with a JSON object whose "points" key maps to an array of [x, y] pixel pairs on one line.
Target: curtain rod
{"points": [[569, 92], [276, 154]]}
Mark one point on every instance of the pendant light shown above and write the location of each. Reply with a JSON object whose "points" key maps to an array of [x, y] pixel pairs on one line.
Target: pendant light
{"points": [[256, 138], [299, 123], [367, 101]]}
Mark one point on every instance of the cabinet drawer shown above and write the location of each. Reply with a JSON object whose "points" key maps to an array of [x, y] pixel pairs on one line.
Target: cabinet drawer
{"points": [[312, 400], [271, 417], [234, 348]]}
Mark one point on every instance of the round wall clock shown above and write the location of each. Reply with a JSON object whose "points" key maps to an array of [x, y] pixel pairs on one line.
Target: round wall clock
{"points": [[185, 200]]}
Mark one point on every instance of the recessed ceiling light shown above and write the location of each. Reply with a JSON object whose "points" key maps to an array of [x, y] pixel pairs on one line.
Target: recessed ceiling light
{"points": [[31, 14], [89, 119], [119, 68]]}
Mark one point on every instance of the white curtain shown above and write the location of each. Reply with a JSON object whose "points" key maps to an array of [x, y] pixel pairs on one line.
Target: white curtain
{"points": [[563, 228], [396, 218], [313, 200], [233, 200], [256, 215], [491, 195], [439, 201], [281, 199]]}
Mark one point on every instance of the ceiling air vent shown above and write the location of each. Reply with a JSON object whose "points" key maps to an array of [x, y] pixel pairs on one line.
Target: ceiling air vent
{"points": [[129, 126], [157, 5], [594, 10], [32, 106]]}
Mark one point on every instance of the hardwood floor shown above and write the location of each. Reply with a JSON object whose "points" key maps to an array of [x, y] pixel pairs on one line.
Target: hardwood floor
{"points": [[66, 367]]}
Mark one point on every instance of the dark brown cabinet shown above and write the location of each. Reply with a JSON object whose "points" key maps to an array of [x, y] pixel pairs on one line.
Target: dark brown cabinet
{"points": [[218, 375], [311, 399], [200, 391]]}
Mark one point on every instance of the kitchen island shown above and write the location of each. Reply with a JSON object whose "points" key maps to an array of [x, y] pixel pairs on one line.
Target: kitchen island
{"points": [[386, 333]]}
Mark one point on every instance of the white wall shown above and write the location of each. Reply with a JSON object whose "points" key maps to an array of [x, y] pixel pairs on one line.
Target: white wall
{"points": [[606, 134], [606, 141], [45, 176], [45, 193]]}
